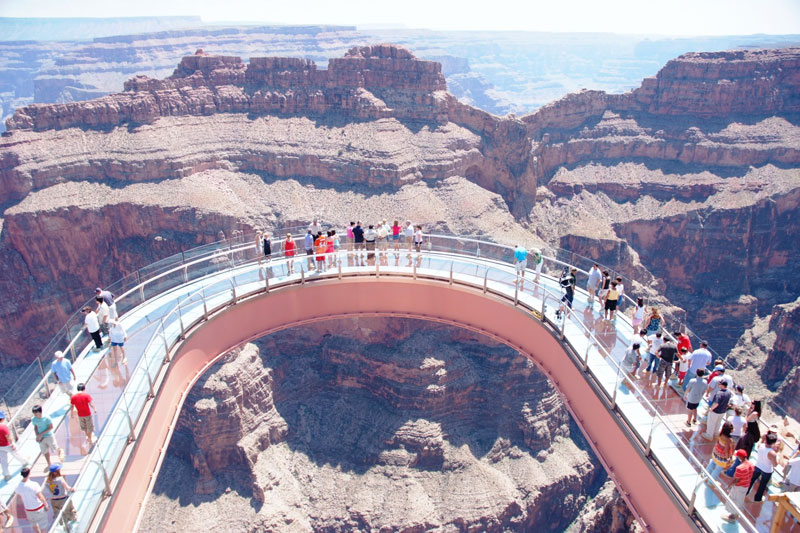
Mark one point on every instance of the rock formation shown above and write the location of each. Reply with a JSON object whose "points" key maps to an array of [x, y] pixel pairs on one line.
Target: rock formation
{"points": [[328, 423], [688, 184]]}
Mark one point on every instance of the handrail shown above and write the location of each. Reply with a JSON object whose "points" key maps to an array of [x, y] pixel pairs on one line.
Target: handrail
{"points": [[247, 244]]}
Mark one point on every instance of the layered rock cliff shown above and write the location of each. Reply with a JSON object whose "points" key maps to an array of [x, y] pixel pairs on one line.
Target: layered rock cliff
{"points": [[382, 423], [688, 183]]}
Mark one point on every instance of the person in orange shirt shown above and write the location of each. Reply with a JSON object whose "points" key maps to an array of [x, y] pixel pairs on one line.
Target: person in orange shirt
{"points": [[321, 245]]}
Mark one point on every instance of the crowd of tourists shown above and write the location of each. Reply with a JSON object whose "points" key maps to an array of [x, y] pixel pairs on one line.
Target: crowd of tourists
{"points": [[731, 419]]}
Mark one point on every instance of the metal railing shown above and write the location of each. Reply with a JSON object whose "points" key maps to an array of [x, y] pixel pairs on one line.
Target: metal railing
{"points": [[226, 256]]}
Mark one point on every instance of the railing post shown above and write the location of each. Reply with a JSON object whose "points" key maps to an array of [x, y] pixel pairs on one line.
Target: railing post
{"points": [[377, 268], [205, 305], [485, 280], [44, 376], [132, 436], [516, 294], [564, 321], [340, 269], [152, 393], [415, 270], [451, 272], [166, 343], [185, 274], [233, 292], [586, 357], [73, 350], [266, 280], [180, 321], [478, 252], [106, 480], [302, 275], [649, 438], [616, 388], [141, 292]]}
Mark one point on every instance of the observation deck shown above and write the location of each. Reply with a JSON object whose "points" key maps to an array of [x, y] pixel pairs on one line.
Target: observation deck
{"points": [[183, 313]]}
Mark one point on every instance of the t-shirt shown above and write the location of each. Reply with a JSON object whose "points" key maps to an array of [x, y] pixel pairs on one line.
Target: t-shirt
{"points": [[418, 237], [28, 491], [396, 230], [594, 278], [684, 342], [699, 359], [288, 247], [637, 339], [739, 422], [695, 390], [739, 400], [358, 234], [309, 241], [370, 235], [722, 398], [612, 295], [684, 365], [793, 476], [41, 424], [382, 232], [520, 254], [350, 232], [91, 322], [117, 333], [5, 435], [61, 368], [714, 383], [102, 312], [655, 343], [668, 352], [107, 297], [55, 487], [81, 402], [743, 474], [409, 231]]}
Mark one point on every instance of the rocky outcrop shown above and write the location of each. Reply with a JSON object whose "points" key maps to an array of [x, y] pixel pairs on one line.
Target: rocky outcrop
{"points": [[468, 435], [369, 82], [781, 370]]}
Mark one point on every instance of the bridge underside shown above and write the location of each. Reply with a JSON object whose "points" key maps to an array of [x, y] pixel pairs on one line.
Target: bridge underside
{"points": [[459, 306]]}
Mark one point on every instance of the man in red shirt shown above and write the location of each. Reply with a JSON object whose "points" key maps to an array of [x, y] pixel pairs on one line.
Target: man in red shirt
{"points": [[741, 482], [82, 402], [7, 447]]}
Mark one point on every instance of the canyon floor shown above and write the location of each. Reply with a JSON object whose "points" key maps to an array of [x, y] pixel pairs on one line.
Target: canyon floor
{"points": [[377, 424]]}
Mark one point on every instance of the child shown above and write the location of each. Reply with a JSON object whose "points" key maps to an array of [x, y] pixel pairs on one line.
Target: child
{"points": [[741, 482], [683, 366], [56, 489]]}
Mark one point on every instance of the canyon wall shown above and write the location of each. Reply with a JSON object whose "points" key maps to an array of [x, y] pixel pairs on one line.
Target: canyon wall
{"points": [[687, 184], [325, 423]]}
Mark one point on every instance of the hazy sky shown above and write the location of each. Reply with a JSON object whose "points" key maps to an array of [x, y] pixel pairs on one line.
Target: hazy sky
{"points": [[666, 17]]}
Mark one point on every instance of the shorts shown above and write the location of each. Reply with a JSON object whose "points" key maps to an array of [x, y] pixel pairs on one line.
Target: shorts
{"points": [[69, 512], [692, 406], [86, 423], [665, 369], [522, 265], [611, 305], [66, 387], [117, 344], [682, 374], [47, 444], [39, 518], [309, 251], [395, 237], [602, 293]]}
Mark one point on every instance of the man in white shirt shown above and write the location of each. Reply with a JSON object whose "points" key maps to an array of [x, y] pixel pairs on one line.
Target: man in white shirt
{"points": [[314, 228], [740, 399], [92, 324], [103, 315], [700, 358], [34, 501], [642, 342], [593, 282]]}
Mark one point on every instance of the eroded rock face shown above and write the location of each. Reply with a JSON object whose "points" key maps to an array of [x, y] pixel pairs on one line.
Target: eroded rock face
{"points": [[331, 422]]}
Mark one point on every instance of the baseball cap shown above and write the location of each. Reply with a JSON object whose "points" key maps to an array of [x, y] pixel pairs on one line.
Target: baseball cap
{"points": [[53, 468], [59, 354], [2, 415], [98, 289], [741, 454], [719, 367]]}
